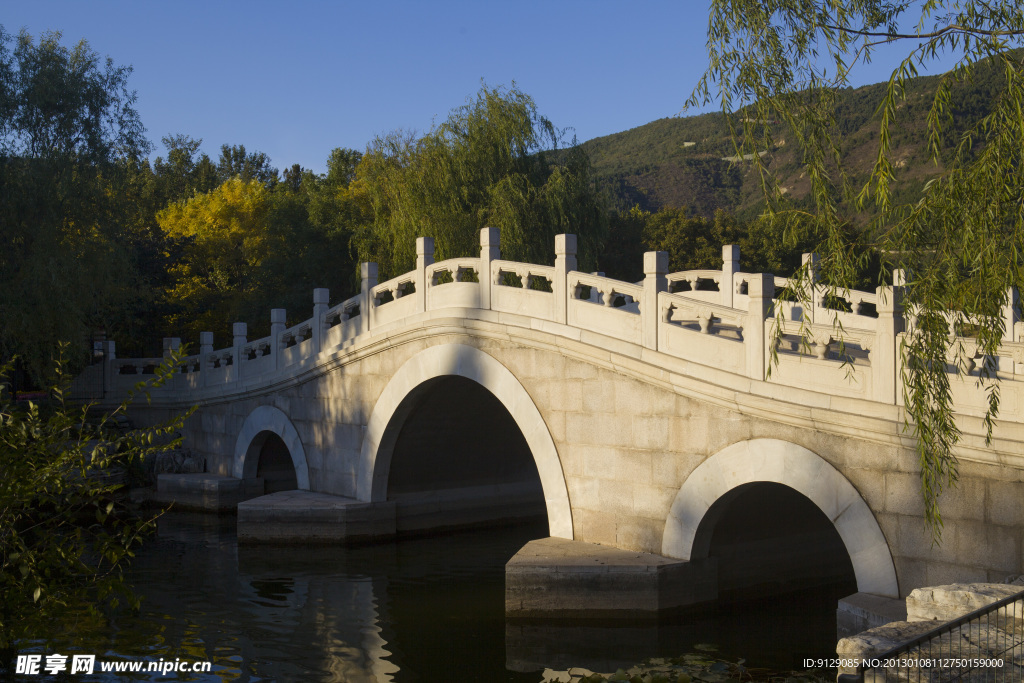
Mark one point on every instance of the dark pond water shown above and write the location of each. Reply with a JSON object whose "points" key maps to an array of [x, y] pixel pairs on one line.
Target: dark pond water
{"points": [[424, 609]]}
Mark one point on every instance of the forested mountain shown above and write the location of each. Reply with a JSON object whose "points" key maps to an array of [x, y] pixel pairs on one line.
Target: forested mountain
{"points": [[684, 162]]}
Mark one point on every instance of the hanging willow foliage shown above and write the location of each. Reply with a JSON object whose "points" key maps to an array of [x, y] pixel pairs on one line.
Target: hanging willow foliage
{"points": [[493, 162], [781, 65]]}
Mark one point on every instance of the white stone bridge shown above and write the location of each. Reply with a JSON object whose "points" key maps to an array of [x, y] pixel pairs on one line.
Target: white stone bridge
{"points": [[641, 417]]}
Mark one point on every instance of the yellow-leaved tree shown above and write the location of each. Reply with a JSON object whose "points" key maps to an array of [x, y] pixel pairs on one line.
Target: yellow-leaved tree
{"points": [[226, 237]]}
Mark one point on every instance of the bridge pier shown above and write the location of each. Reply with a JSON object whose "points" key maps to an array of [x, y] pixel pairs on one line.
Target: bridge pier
{"points": [[560, 578], [309, 517], [206, 492]]}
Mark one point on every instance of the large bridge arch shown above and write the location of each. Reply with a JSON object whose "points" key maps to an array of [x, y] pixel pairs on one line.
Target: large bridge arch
{"points": [[262, 420], [782, 462], [472, 364]]}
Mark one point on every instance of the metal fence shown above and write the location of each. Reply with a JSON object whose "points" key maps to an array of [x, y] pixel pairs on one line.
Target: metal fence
{"points": [[984, 645]]}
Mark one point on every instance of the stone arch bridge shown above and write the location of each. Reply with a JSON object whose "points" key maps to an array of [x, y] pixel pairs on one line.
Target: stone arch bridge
{"points": [[640, 418]]}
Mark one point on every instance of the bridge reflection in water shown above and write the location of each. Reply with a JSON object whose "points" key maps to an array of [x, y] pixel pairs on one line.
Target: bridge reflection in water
{"points": [[417, 609]]}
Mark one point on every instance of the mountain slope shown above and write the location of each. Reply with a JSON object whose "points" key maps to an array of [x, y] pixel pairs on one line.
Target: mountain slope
{"points": [[685, 162]]}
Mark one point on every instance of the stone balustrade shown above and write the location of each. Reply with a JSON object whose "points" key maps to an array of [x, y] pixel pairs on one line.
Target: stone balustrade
{"points": [[724, 319]]}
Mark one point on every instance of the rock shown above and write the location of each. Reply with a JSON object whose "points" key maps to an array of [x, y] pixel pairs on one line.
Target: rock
{"points": [[945, 603]]}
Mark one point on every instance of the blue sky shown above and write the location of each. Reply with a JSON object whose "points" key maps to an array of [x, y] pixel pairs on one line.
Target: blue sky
{"points": [[295, 80]]}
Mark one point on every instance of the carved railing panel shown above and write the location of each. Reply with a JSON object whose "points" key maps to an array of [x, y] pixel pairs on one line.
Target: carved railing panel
{"points": [[453, 283], [605, 306], [696, 330], [520, 288]]}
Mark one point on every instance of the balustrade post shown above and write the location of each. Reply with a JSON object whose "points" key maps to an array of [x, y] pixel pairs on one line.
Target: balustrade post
{"points": [[171, 344], [278, 323], [424, 258], [490, 250], [1011, 316], [205, 364], [565, 261], [884, 355], [655, 282], [321, 301], [595, 296], [730, 266], [368, 275], [239, 338], [810, 265], [760, 289], [110, 373]]}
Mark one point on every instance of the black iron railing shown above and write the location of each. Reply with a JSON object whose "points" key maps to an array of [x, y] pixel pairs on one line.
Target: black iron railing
{"points": [[984, 645]]}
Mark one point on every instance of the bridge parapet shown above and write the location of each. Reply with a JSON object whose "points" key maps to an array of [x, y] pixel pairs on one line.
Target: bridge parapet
{"points": [[723, 319]]}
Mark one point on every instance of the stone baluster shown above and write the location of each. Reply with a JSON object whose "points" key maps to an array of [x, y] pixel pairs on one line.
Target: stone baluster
{"points": [[730, 266], [368, 276], [278, 323], [760, 289], [239, 338], [490, 250], [655, 282], [884, 354], [424, 259], [565, 262], [321, 302], [608, 296], [205, 362], [810, 265]]}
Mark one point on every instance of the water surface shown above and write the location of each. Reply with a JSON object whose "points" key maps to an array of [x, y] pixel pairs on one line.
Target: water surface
{"points": [[423, 609]]}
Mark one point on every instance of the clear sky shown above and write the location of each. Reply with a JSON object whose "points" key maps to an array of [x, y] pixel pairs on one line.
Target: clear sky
{"points": [[295, 80]]}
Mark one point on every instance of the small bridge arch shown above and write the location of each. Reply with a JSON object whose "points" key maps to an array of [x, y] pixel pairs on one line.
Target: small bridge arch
{"points": [[782, 462], [261, 421], [470, 363]]}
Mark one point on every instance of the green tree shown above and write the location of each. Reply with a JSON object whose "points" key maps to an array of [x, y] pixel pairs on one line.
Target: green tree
{"points": [[692, 242], [69, 135], [622, 255], [65, 533], [486, 165], [235, 161], [959, 239], [182, 174]]}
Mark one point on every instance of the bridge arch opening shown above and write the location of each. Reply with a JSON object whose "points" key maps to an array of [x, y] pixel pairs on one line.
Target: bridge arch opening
{"points": [[769, 539], [460, 459], [273, 463], [725, 476], [269, 444], [406, 390]]}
